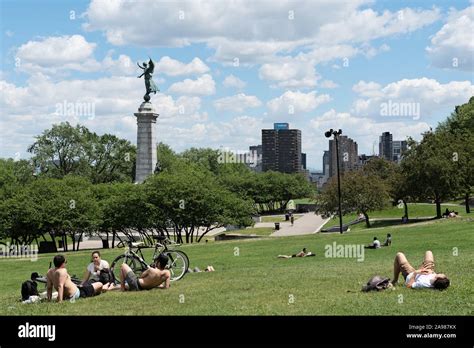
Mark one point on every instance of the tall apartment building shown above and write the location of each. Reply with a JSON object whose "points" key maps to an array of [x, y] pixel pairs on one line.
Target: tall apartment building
{"points": [[348, 155], [281, 149], [385, 146], [391, 150]]}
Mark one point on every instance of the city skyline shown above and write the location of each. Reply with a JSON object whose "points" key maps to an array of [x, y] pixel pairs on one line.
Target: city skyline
{"points": [[363, 66]]}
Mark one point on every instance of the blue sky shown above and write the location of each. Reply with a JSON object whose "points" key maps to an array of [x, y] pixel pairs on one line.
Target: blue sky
{"points": [[314, 64]]}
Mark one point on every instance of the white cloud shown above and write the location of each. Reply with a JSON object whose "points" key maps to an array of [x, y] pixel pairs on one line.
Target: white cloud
{"points": [[105, 105], [57, 50], [452, 46], [58, 54], [243, 32], [237, 103], [203, 85], [366, 25], [367, 135], [329, 84], [427, 95], [172, 67], [233, 81], [290, 72], [296, 102]]}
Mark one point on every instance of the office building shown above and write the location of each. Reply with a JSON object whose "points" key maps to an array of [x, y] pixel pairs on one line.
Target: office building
{"points": [[281, 149]]}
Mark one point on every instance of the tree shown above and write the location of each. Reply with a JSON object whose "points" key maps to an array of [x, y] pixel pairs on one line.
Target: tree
{"points": [[461, 125], [430, 169], [65, 149], [204, 157], [192, 202], [67, 207], [361, 192]]}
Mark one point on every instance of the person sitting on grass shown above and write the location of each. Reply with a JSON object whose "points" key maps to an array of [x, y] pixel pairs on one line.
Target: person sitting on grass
{"points": [[388, 241], [158, 277], [58, 278], [92, 273], [302, 253], [375, 244], [424, 277]]}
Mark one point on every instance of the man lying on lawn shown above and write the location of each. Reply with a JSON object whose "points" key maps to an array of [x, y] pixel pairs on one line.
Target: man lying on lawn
{"points": [[158, 277], [425, 277], [61, 280]]}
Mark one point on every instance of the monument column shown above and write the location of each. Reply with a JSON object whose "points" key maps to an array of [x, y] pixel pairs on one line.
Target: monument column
{"points": [[146, 141]]}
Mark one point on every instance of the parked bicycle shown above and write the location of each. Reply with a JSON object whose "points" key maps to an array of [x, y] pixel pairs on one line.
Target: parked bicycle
{"points": [[178, 261]]}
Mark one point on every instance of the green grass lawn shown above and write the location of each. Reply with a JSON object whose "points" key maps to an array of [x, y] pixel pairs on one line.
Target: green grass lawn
{"points": [[415, 211], [250, 280]]}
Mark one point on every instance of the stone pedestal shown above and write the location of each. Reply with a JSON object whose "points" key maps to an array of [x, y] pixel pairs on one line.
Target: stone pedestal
{"points": [[146, 141]]}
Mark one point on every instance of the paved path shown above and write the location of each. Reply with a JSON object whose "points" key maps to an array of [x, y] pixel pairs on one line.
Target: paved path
{"points": [[309, 223]]}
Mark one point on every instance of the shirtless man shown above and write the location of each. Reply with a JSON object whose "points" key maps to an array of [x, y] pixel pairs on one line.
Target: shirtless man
{"points": [[151, 278], [424, 277], [61, 280]]}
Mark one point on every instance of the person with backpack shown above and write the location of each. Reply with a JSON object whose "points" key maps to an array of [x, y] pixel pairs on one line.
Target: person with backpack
{"points": [[95, 270], [59, 278]]}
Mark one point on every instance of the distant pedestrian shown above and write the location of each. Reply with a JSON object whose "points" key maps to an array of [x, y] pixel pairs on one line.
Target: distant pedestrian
{"points": [[292, 219]]}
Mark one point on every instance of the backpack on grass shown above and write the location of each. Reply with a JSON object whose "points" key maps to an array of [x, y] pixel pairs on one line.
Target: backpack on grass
{"points": [[377, 283], [106, 276], [28, 288]]}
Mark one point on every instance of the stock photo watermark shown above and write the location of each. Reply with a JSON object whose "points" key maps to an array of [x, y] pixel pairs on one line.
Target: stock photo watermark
{"points": [[347, 251], [400, 109], [250, 158], [8, 250], [76, 110]]}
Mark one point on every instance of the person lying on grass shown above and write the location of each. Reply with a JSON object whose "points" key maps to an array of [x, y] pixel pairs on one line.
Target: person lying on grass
{"points": [[158, 277], [424, 277], [58, 278], [302, 253]]}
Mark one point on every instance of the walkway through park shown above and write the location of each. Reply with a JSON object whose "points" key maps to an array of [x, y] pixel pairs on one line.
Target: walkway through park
{"points": [[309, 223]]}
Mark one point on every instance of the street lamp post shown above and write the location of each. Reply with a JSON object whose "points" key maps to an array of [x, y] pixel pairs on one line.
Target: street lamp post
{"points": [[336, 138]]}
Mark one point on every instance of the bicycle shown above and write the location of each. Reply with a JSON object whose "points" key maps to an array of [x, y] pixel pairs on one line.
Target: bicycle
{"points": [[178, 261]]}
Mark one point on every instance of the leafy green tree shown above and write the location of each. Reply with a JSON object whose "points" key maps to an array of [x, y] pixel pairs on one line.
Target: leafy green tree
{"points": [[65, 149], [461, 125], [361, 192], [430, 169], [204, 157], [192, 202]]}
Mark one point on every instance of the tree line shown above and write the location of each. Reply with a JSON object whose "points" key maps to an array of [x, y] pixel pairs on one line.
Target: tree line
{"points": [[79, 183]]}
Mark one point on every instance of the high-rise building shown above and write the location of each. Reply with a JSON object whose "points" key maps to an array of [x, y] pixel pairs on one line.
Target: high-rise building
{"points": [[391, 150], [281, 149], [303, 160], [386, 146], [399, 147], [256, 155], [326, 160], [348, 155]]}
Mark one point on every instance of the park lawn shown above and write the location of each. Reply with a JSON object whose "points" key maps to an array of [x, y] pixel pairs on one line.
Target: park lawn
{"points": [[250, 280], [415, 211]]}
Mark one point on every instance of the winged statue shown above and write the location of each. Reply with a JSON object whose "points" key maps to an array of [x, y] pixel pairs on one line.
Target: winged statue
{"points": [[150, 85]]}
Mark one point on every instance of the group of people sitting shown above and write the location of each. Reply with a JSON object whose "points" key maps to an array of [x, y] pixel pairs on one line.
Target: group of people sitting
{"points": [[376, 243], [59, 279], [450, 214]]}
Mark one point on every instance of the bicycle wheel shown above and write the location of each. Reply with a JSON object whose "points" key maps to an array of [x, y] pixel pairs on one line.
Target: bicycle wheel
{"points": [[132, 261], [178, 264]]}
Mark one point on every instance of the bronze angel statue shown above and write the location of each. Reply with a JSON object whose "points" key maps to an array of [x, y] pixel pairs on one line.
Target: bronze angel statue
{"points": [[149, 83]]}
